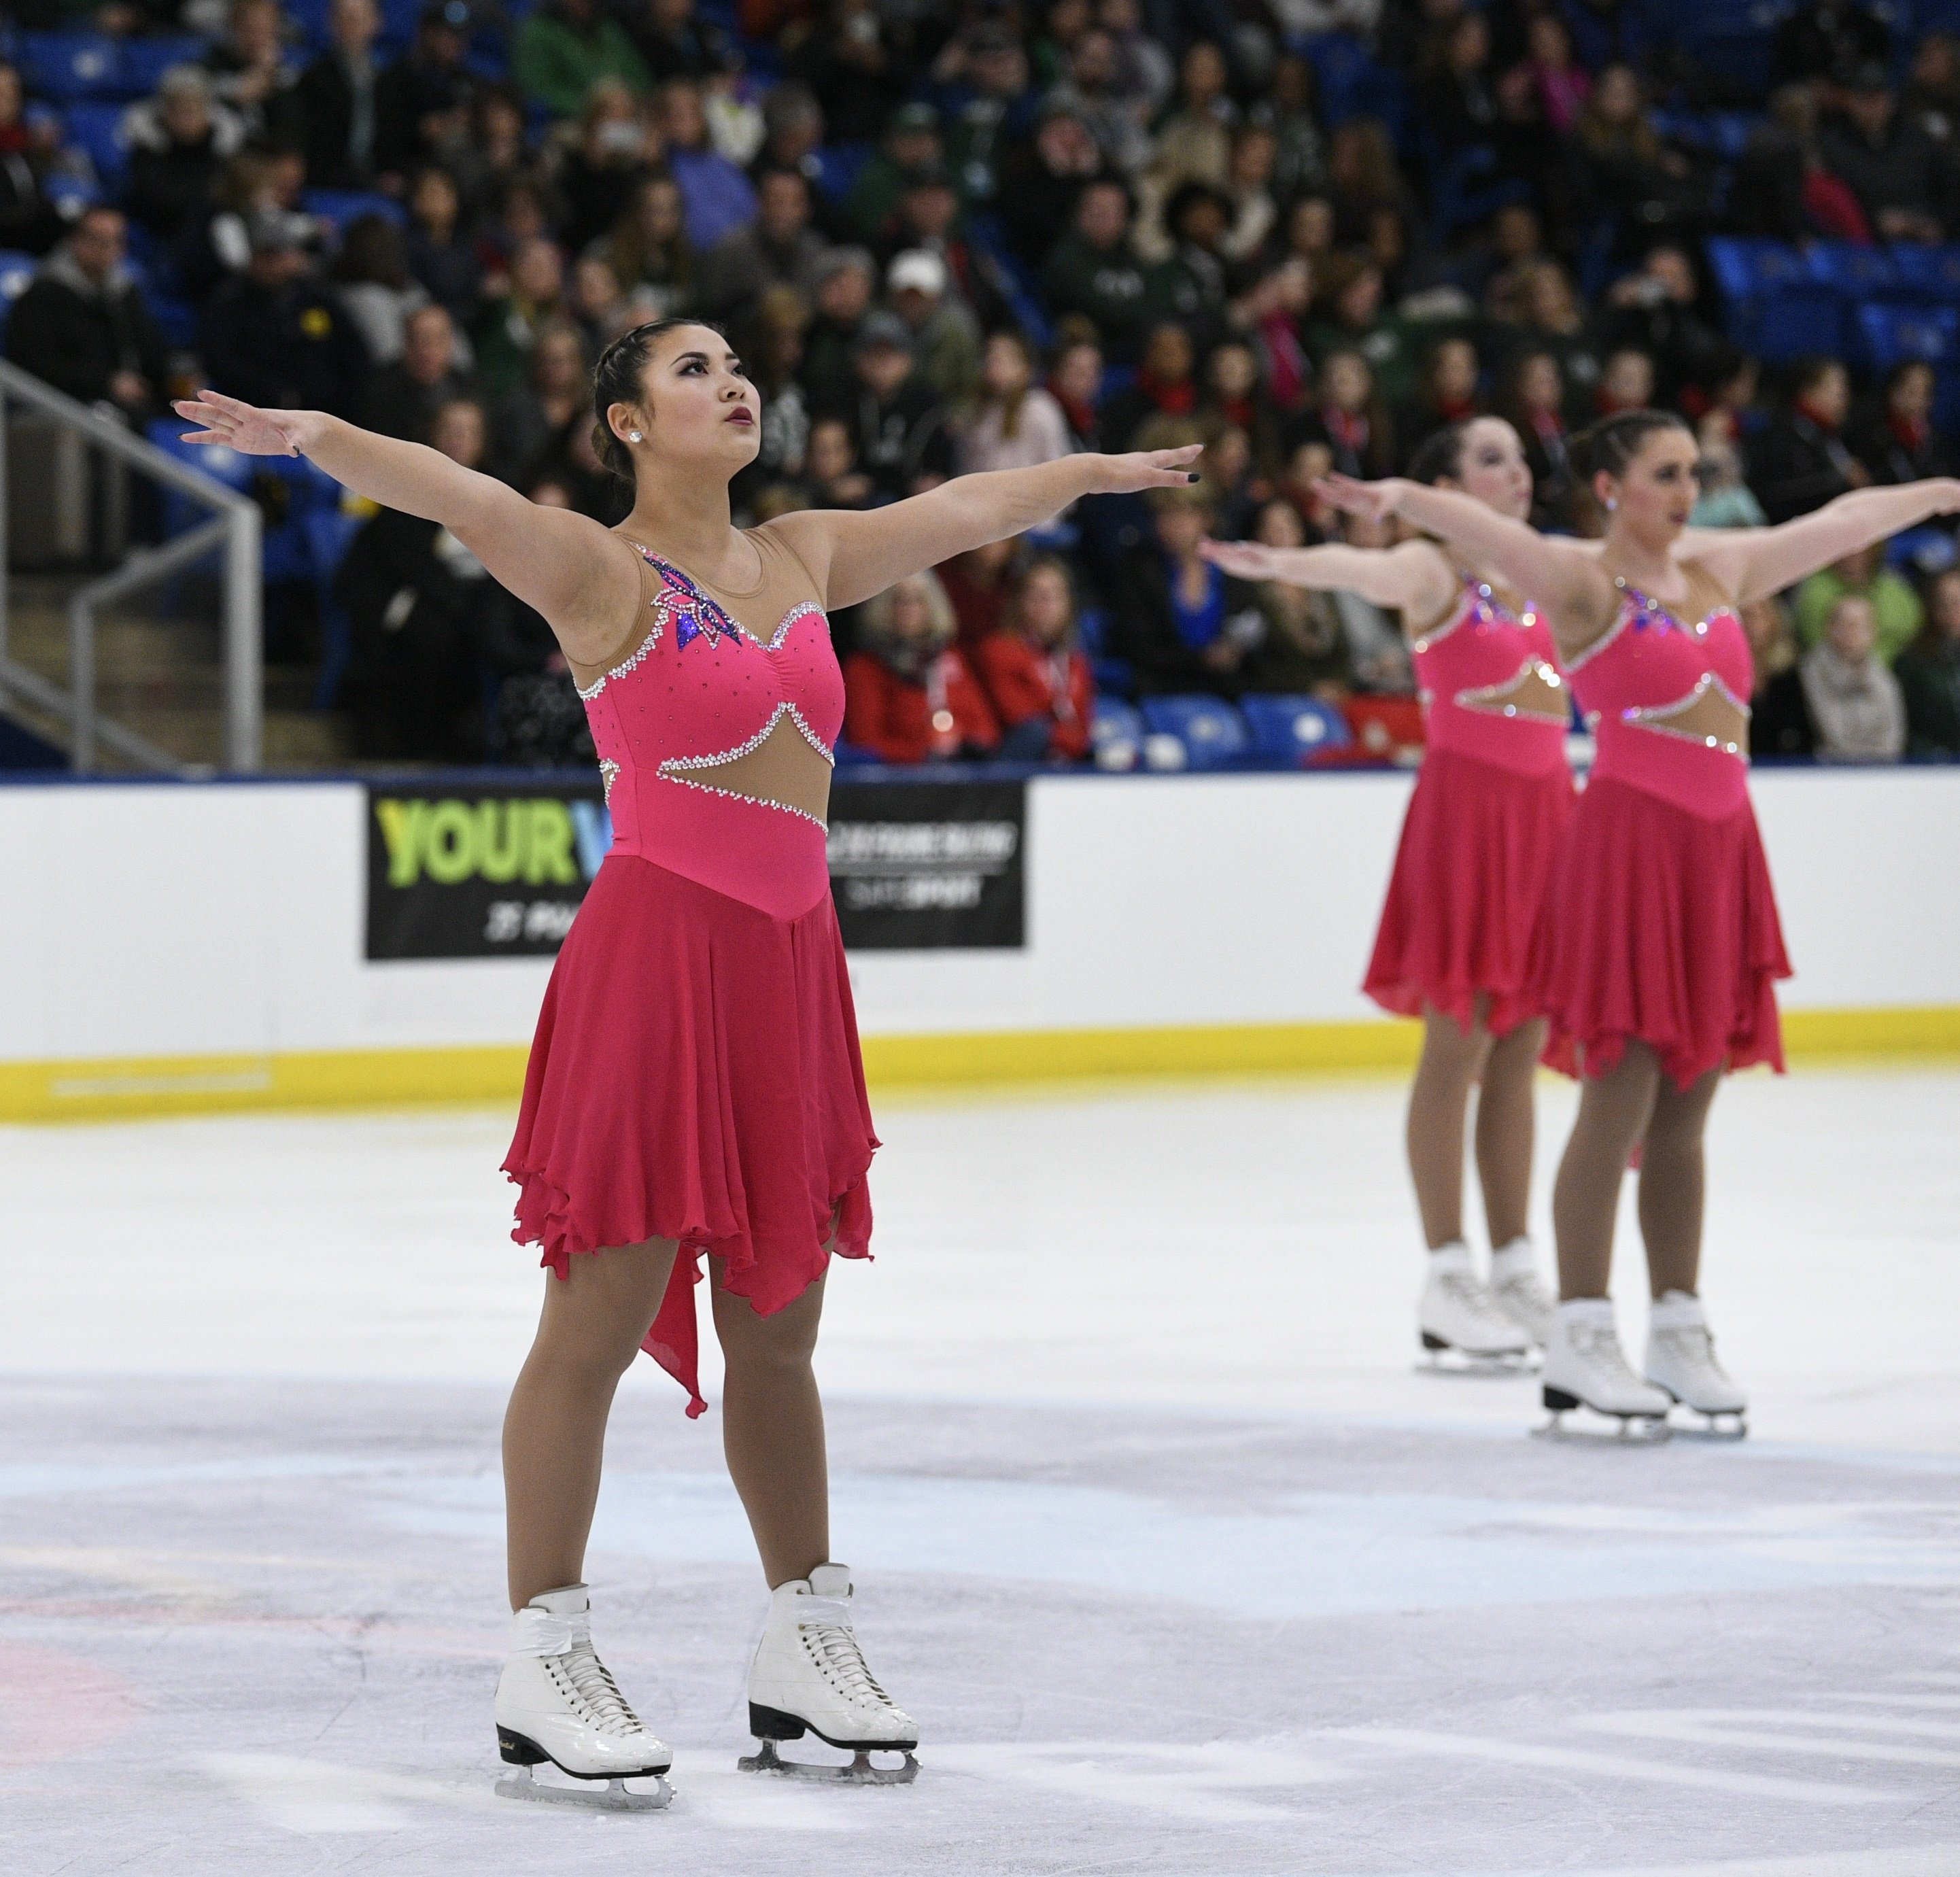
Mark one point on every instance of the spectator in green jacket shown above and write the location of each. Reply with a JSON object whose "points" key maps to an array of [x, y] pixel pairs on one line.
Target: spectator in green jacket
{"points": [[1894, 605], [566, 45], [1929, 672]]}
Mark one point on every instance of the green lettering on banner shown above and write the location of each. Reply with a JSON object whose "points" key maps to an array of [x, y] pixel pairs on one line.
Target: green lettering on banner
{"points": [[499, 859], [449, 843], [402, 828], [550, 861]]}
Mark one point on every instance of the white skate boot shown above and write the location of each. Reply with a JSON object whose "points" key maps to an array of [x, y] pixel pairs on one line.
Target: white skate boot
{"points": [[1457, 1316], [557, 1702], [1680, 1360], [1516, 1289], [808, 1676], [1584, 1367]]}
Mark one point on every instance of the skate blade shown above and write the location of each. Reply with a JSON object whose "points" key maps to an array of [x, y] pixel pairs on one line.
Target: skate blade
{"points": [[613, 1795], [1715, 1427], [860, 1772], [1634, 1430], [1440, 1358]]}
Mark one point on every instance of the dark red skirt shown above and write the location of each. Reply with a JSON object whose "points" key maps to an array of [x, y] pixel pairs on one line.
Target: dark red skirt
{"points": [[1659, 925], [695, 1076], [1471, 870]]}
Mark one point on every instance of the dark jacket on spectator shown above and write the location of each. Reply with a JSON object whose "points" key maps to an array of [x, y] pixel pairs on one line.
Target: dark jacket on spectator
{"points": [[1819, 40], [1107, 285], [1928, 672], [398, 404], [1796, 464], [1780, 719], [291, 347], [741, 265], [1897, 173], [1894, 455], [325, 97], [412, 684], [77, 336], [898, 440], [1689, 355], [1144, 630], [171, 186], [410, 90]]}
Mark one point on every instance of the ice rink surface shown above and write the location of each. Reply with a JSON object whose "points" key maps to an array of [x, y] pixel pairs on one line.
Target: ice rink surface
{"points": [[1181, 1562]]}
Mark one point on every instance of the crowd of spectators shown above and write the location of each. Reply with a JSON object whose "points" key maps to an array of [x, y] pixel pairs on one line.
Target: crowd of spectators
{"points": [[954, 237]]}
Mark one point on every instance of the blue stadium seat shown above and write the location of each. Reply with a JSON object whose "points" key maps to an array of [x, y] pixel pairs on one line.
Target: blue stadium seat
{"points": [[1350, 81], [1856, 274], [838, 166], [340, 206], [1212, 733], [98, 129], [143, 61], [1116, 730], [1778, 308], [1293, 730], [65, 66], [1889, 332], [329, 534], [17, 275], [1931, 274]]}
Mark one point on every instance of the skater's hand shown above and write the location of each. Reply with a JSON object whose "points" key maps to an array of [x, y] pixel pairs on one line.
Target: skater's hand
{"points": [[1375, 501], [244, 427], [1145, 469], [1246, 560]]}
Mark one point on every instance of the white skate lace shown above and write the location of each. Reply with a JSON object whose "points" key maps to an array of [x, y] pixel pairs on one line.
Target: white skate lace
{"points": [[1694, 1345], [1598, 1346], [588, 1685], [832, 1644], [1524, 1289], [1463, 1290]]}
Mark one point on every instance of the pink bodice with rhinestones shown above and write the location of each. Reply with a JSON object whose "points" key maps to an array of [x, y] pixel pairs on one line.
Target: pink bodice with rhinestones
{"points": [[1650, 665], [1469, 669], [706, 683]]}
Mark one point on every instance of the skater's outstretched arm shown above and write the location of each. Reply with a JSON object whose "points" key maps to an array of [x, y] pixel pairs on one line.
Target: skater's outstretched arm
{"points": [[1415, 577], [1562, 576], [856, 554], [580, 575], [1752, 563]]}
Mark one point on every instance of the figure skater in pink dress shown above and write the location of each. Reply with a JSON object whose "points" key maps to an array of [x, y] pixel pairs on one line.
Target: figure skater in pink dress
{"points": [[694, 1090], [1453, 947]]}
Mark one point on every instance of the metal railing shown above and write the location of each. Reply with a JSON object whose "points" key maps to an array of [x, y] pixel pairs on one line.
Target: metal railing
{"points": [[235, 525]]}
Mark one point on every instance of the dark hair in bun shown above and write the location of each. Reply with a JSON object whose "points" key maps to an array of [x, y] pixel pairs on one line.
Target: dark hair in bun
{"points": [[615, 379], [1614, 442]]}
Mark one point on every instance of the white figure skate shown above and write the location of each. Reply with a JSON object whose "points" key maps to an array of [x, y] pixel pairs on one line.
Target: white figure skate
{"points": [[1516, 1289], [556, 1702], [1457, 1317], [1584, 1367], [808, 1676], [1681, 1361]]}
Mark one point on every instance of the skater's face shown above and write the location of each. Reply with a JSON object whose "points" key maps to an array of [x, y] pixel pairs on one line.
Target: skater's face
{"points": [[696, 403], [1652, 498], [1493, 468]]}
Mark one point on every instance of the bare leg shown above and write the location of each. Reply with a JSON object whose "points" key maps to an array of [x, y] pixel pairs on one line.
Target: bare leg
{"points": [[772, 1428], [1439, 1102], [1673, 1180], [1506, 1127], [1613, 1112], [593, 1322]]}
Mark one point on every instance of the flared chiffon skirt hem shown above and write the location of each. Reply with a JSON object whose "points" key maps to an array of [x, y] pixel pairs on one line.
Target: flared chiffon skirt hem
{"points": [[695, 1076]]}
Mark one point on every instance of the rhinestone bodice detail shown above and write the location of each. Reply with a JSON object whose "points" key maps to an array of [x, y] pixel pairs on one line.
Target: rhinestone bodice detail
{"points": [[1650, 667], [705, 685], [1472, 670]]}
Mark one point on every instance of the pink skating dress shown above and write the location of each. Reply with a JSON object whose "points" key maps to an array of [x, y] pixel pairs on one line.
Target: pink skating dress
{"points": [[695, 1073], [1492, 799], [1661, 924]]}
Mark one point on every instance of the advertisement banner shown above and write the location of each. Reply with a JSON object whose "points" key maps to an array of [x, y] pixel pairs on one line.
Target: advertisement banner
{"points": [[919, 865], [495, 872], [500, 871]]}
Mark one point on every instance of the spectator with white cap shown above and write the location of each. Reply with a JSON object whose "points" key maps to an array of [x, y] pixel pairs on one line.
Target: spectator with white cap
{"points": [[946, 337]]}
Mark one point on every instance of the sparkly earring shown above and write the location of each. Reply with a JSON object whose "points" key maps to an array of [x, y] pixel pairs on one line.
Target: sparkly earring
{"points": [[1612, 501], [633, 436]]}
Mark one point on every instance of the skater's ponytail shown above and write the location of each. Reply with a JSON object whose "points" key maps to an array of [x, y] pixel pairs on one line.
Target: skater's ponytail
{"points": [[615, 379], [1609, 445]]}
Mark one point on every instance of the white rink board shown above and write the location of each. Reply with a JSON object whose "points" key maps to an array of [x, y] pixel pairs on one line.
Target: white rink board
{"points": [[159, 920]]}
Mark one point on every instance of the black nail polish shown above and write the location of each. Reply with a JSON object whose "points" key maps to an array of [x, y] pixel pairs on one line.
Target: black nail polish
{"points": [[1192, 477]]}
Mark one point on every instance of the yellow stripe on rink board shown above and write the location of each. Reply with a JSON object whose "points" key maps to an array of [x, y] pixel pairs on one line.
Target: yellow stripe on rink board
{"points": [[100, 1089]]}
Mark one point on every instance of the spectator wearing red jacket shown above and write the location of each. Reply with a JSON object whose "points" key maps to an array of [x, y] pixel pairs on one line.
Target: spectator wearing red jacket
{"points": [[1036, 676], [908, 695]]}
